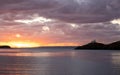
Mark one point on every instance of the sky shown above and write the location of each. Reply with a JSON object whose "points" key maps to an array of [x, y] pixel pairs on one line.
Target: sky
{"points": [[58, 22]]}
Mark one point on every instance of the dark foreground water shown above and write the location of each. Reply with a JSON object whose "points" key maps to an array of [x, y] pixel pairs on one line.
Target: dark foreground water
{"points": [[58, 61]]}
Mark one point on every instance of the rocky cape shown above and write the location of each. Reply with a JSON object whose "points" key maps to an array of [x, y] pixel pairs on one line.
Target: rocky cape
{"points": [[4, 47], [100, 46]]}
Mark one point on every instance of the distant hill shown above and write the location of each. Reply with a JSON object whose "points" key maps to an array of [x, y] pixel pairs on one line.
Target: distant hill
{"points": [[5, 47], [99, 46], [114, 45]]}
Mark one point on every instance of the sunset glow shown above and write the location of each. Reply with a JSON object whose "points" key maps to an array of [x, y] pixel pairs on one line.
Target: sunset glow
{"points": [[22, 44], [31, 23]]}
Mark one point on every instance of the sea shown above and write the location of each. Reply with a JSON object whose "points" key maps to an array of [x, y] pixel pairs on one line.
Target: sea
{"points": [[59, 61]]}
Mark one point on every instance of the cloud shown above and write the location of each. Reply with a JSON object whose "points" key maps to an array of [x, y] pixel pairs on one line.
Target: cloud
{"points": [[116, 21], [61, 21], [76, 11]]}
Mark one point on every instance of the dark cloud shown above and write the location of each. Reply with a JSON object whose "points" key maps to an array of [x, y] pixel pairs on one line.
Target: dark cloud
{"points": [[22, 5], [5, 2], [77, 11], [80, 11], [87, 12]]}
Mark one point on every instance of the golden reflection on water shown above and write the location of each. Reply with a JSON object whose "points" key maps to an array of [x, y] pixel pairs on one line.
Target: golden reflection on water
{"points": [[19, 53], [116, 58], [116, 63]]}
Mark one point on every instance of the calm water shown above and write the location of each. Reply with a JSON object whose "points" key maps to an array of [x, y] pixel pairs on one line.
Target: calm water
{"points": [[58, 61]]}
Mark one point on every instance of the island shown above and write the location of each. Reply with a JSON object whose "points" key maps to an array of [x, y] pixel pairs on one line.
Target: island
{"points": [[100, 46], [4, 47]]}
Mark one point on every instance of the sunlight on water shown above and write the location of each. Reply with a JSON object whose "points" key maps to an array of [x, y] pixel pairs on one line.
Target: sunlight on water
{"points": [[116, 63], [39, 54], [116, 58]]}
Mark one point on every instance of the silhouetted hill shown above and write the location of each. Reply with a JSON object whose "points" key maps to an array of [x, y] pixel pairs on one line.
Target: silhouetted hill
{"points": [[114, 45], [92, 45], [5, 46], [99, 46]]}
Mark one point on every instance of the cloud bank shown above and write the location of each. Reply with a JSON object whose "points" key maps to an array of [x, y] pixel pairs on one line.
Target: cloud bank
{"points": [[77, 11], [61, 21]]}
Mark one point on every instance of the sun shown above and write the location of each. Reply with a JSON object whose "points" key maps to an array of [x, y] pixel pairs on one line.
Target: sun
{"points": [[18, 35]]}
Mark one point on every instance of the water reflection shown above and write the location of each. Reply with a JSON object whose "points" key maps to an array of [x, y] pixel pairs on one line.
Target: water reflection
{"points": [[25, 62], [116, 63], [41, 54]]}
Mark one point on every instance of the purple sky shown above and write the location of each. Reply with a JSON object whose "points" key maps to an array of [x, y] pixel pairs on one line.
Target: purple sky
{"points": [[60, 21]]}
